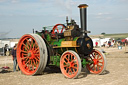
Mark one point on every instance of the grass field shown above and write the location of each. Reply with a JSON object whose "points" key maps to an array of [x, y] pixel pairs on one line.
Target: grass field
{"points": [[115, 36]]}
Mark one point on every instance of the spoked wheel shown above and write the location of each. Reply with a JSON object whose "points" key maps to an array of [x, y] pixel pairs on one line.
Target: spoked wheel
{"points": [[31, 54], [70, 64], [97, 62], [57, 27]]}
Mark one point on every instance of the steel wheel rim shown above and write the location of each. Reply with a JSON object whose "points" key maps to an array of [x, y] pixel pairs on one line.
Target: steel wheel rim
{"points": [[70, 65], [99, 62]]}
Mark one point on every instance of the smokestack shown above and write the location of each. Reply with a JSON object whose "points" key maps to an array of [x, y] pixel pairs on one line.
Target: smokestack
{"points": [[83, 18]]}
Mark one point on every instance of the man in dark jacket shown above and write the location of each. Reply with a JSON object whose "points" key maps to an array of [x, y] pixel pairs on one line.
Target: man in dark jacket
{"points": [[14, 58]]}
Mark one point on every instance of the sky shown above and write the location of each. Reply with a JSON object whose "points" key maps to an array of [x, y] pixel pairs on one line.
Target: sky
{"points": [[19, 17]]}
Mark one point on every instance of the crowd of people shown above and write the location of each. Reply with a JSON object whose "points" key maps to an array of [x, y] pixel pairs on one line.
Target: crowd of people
{"points": [[110, 43]]}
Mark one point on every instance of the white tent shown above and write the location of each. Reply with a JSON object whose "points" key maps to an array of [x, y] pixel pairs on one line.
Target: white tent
{"points": [[100, 41]]}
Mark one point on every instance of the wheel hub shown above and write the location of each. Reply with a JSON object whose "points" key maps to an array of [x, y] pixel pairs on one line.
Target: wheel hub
{"points": [[31, 54], [95, 61], [68, 65]]}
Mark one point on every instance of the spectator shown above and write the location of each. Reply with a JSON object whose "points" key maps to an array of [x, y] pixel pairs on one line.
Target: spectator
{"points": [[109, 43], [14, 58], [106, 44], [112, 44], [96, 44]]}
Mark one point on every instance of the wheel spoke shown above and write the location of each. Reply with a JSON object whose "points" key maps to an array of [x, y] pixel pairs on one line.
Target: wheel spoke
{"points": [[31, 43], [57, 30], [24, 58], [70, 70], [33, 46], [24, 65], [100, 58], [66, 60], [100, 62], [29, 69], [34, 62], [37, 59], [92, 66], [74, 67], [25, 54], [73, 61], [99, 66], [94, 56], [27, 62], [32, 67], [37, 54], [24, 51], [68, 57], [65, 63], [30, 62], [37, 49], [26, 47], [28, 43]]}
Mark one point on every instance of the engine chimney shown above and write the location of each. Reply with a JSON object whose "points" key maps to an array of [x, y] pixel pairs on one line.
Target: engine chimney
{"points": [[83, 19]]}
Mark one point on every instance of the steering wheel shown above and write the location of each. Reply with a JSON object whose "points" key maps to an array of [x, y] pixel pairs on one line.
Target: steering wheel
{"points": [[55, 28]]}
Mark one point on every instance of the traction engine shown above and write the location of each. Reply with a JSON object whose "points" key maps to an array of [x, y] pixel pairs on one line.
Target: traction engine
{"points": [[70, 48]]}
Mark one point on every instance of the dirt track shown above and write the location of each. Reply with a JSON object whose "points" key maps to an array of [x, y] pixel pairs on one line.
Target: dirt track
{"points": [[116, 73]]}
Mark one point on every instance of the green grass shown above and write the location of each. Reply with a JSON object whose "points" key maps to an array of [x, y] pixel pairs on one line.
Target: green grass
{"points": [[116, 36]]}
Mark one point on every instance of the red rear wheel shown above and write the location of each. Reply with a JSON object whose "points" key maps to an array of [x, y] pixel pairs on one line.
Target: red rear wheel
{"points": [[31, 54], [70, 64], [97, 62]]}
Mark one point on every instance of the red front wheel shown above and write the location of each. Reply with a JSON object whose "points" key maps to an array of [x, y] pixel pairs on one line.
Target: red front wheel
{"points": [[97, 62], [70, 64], [31, 54]]}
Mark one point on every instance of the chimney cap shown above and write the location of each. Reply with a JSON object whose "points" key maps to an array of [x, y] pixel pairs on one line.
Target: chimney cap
{"points": [[83, 6]]}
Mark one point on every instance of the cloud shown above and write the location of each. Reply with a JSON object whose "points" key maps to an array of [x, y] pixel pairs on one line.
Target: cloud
{"points": [[12, 1], [126, 19], [123, 0], [101, 14], [3, 0], [108, 18]]}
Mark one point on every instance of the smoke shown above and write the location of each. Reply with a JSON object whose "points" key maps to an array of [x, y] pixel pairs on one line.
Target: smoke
{"points": [[65, 5]]}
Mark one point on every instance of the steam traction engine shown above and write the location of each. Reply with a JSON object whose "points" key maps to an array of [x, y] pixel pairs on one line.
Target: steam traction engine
{"points": [[70, 48]]}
